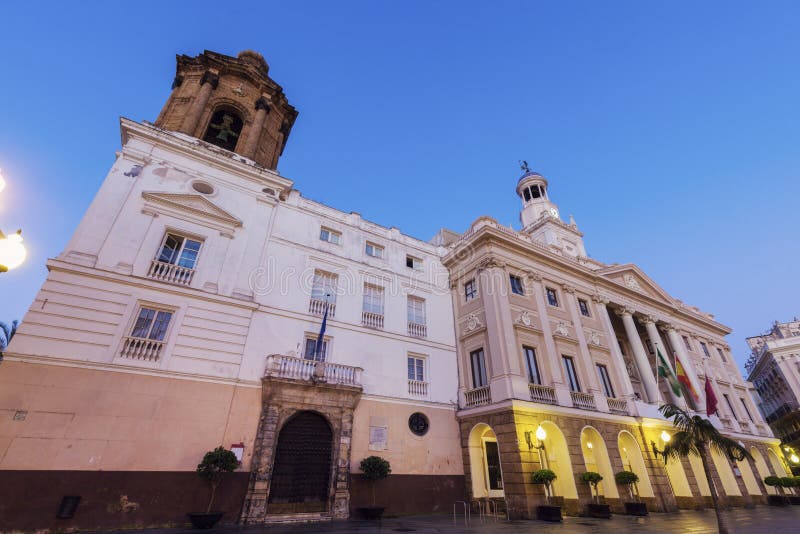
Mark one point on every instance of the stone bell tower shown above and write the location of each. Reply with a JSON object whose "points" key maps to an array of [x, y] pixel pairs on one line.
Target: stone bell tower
{"points": [[231, 103]]}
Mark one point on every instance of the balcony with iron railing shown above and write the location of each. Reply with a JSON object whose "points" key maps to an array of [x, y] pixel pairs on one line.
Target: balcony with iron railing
{"points": [[317, 307], [372, 320], [618, 406], [142, 349], [170, 273], [584, 401], [417, 329], [477, 397], [543, 394], [418, 389], [301, 369]]}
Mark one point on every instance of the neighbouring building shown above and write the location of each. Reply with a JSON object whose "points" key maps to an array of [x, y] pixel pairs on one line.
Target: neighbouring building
{"points": [[186, 310], [774, 370]]}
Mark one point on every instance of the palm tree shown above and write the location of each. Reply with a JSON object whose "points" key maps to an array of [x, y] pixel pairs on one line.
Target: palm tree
{"points": [[697, 435], [6, 333]]}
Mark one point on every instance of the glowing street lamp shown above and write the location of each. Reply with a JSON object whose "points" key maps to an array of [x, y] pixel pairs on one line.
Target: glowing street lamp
{"points": [[665, 437], [12, 251]]}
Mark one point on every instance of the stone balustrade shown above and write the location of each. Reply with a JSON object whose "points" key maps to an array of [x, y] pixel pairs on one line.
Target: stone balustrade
{"points": [[170, 273], [584, 401], [477, 397], [543, 394], [137, 348], [281, 366]]}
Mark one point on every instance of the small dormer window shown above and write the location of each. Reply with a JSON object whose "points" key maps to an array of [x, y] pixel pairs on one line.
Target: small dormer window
{"points": [[224, 128]]}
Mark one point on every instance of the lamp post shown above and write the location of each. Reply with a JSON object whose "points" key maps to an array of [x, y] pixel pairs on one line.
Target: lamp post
{"points": [[665, 437]]}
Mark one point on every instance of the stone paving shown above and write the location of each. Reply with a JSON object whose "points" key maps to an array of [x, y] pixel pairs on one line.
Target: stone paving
{"points": [[762, 519]]}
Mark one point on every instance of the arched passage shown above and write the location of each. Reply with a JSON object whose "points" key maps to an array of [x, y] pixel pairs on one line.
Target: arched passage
{"points": [[484, 461], [729, 485], [699, 475], [762, 468], [595, 456], [556, 457], [632, 460], [748, 477], [676, 474], [301, 472], [777, 465]]}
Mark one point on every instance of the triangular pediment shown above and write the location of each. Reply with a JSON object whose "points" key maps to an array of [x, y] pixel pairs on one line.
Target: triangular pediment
{"points": [[632, 277], [194, 205]]}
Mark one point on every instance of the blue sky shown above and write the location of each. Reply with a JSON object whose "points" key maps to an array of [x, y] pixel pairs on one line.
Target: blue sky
{"points": [[671, 131]]}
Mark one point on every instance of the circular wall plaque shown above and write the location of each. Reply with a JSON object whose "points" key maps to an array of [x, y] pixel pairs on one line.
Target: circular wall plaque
{"points": [[418, 424]]}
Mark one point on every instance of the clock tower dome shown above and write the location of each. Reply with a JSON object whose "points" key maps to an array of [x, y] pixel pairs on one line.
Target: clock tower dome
{"points": [[540, 216]]}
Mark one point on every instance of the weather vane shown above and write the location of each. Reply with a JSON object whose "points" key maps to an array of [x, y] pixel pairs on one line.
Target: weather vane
{"points": [[523, 164]]}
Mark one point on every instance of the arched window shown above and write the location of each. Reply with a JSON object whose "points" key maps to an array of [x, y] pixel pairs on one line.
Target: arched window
{"points": [[224, 128]]}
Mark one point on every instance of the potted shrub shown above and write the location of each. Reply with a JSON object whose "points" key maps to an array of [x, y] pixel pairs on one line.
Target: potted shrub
{"points": [[595, 508], [629, 478], [791, 483], [546, 512], [374, 468], [212, 469], [776, 500]]}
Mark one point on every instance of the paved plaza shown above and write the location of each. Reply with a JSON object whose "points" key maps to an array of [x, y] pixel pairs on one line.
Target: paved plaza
{"points": [[757, 520]]}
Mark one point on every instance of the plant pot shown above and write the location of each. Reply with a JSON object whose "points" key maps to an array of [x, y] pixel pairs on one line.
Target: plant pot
{"points": [[794, 499], [205, 520], [636, 508], [602, 511], [777, 500], [371, 512], [548, 513]]}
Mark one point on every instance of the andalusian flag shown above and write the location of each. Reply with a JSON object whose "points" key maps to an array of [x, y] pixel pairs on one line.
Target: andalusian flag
{"points": [[665, 371], [683, 378]]}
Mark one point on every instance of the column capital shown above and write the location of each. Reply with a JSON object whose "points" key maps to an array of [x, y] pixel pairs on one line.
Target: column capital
{"points": [[568, 288], [648, 319], [600, 299], [211, 77], [624, 311], [669, 327], [263, 103], [491, 262]]}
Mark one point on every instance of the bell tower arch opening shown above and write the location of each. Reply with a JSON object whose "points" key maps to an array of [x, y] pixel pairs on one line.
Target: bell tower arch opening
{"points": [[224, 128]]}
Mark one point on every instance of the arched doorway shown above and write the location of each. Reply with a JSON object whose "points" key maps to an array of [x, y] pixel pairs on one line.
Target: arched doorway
{"points": [[675, 473], [762, 468], [595, 457], [301, 472], [729, 485], [632, 460], [556, 457], [777, 465], [484, 460]]}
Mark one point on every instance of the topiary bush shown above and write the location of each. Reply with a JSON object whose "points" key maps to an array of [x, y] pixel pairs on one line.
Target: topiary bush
{"points": [[213, 468], [375, 468], [546, 477], [593, 479], [627, 478]]}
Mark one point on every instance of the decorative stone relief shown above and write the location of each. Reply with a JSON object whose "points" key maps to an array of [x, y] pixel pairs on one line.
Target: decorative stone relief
{"points": [[473, 322], [562, 329], [525, 318], [594, 338], [631, 282], [568, 288], [631, 369], [533, 275]]}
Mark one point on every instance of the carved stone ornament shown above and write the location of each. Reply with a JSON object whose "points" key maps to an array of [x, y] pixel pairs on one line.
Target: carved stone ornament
{"points": [[631, 369], [490, 262], [594, 338], [525, 318], [568, 288], [473, 322], [534, 276], [631, 282], [601, 299], [562, 329]]}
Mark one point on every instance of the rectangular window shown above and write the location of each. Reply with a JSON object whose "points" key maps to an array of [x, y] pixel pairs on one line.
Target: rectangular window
{"points": [[721, 355], [602, 372], [746, 410], [324, 286], [584, 306], [413, 263], [331, 236], [705, 349], [572, 375], [179, 250], [532, 365], [312, 352], [687, 343], [416, 310], [470, 290], [371, 249], [730, 406], [516, 285], [478, 368], [373, 299], [416, 368], [552, 297], [151, 324]]}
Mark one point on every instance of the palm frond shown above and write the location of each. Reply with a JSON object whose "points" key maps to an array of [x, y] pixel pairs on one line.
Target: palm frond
{"points": [[680, 418], [681, 444]]}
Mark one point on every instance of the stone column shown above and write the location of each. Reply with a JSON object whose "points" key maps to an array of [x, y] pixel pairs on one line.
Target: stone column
{"points": [[686, 362], [624, 385], [585, 362], [640, 356], [262, 109], [208, 83], [655, 338]]}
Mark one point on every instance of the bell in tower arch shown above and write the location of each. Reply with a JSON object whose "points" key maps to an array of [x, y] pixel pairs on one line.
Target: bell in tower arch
{"points": [[230, 102]]}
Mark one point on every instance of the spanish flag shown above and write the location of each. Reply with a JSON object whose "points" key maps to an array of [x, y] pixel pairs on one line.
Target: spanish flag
{"points": [[683, 378]]}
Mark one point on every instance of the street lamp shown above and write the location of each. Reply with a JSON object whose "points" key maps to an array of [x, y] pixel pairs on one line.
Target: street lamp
{"points": [[665, 437], [12, 251]]}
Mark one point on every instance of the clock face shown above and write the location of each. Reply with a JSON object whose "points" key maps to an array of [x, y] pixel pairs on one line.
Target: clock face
{"points": [[418, 424]]}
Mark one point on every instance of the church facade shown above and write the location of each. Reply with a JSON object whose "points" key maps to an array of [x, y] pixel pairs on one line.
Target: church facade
{"points": [[204, 301]]}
